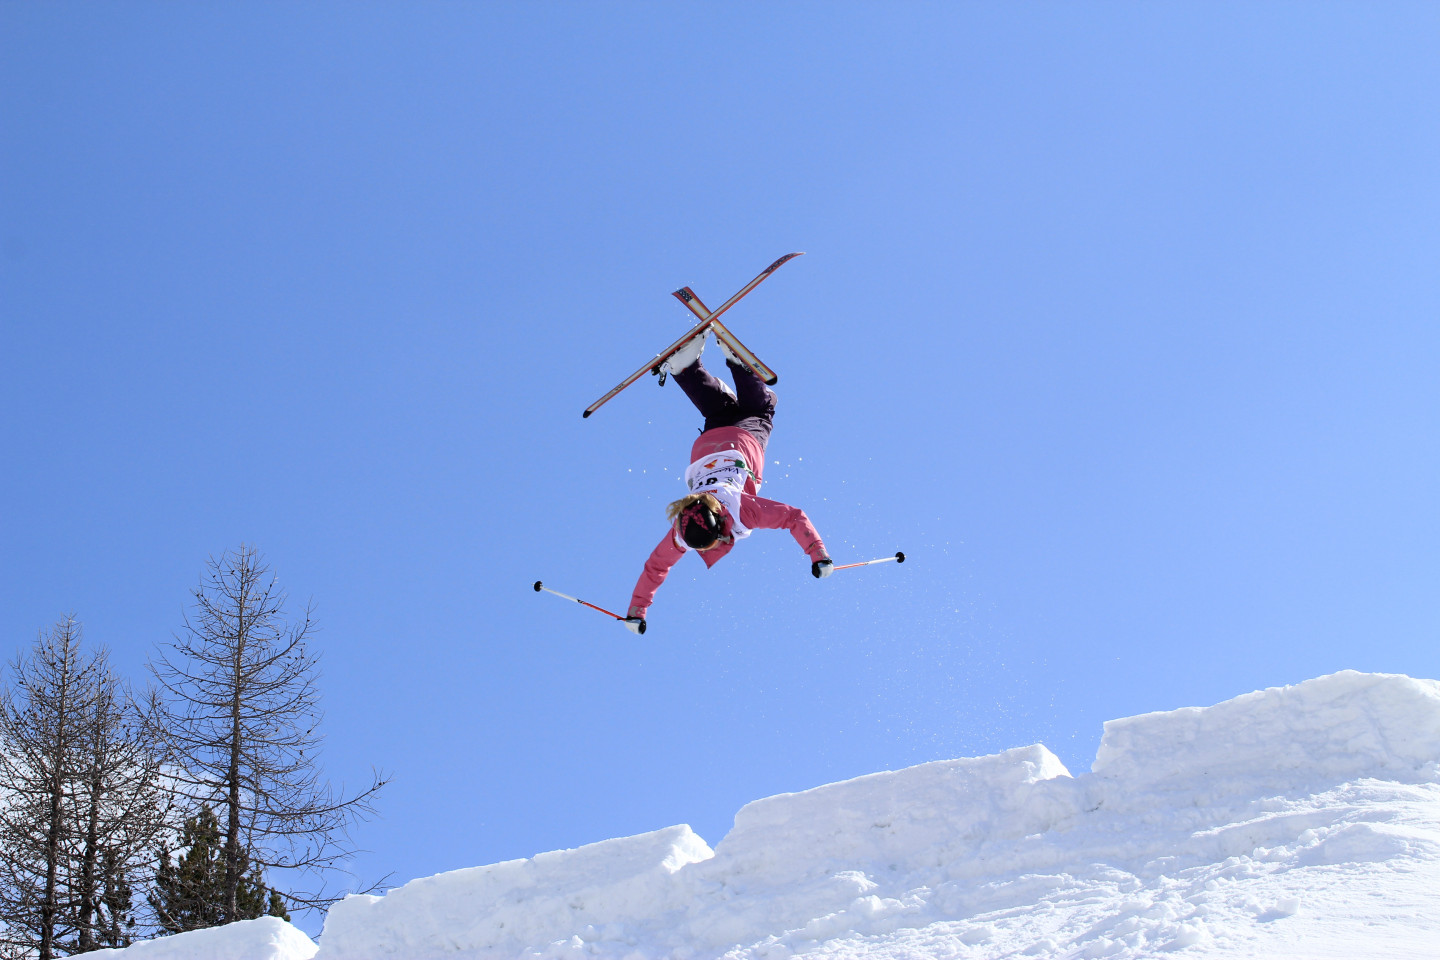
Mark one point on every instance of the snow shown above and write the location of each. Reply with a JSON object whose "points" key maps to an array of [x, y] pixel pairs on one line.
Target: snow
{"points": [[268, 938], [1294, 822], [525, 900]]}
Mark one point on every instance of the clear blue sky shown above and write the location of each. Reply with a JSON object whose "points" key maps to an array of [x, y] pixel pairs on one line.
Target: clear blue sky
{"points": [[1119, 319]]}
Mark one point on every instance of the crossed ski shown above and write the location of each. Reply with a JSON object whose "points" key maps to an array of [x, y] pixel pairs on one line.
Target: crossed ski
{"points": [[708, 321]]}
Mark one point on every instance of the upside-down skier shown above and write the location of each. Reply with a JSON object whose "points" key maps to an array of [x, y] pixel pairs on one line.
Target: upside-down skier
{"points": [[727, 460], [724, 504]]}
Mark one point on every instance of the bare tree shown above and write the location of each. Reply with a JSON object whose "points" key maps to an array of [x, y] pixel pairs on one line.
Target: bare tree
{"points": [[82, 803], [239, 709], [122, 810], [45, 716]]}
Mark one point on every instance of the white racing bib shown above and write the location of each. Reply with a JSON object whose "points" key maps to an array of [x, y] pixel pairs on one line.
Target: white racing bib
{"points": [[723, 475]]}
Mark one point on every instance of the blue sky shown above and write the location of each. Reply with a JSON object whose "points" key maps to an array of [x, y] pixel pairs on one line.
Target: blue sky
{"points": [[1119, 319]]}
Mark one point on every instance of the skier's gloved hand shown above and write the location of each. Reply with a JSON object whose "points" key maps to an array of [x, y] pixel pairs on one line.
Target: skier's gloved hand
{"points": [[634, 624], [821, 569]]}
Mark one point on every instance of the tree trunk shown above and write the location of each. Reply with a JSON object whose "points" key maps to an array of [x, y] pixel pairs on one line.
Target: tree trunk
{"points": [[89, 873], [49, 906], [232, 825], [55, 828]]}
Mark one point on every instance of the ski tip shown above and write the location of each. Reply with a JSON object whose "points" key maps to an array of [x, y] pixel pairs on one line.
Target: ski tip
{"points": [[537, 586], [899, 558], [782, 261], [586, 415]]}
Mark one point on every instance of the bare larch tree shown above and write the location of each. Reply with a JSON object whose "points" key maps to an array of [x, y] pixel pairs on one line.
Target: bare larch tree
{"points": [[122, 810], [81, 799], [238, 707], [45, 714]]}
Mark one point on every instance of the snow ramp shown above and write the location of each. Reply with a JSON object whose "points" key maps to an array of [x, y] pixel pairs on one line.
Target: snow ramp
{"points": [[503, 909], [268, 938], [1327, 730], [1293, 822], [1298, 821]]}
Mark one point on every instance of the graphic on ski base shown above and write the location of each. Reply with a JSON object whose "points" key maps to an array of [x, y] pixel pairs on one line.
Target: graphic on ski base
{"points": [[723, 505]]}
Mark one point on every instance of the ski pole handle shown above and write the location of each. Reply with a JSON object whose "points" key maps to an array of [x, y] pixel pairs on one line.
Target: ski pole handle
{"points": [[898, 558], [584, 603]]}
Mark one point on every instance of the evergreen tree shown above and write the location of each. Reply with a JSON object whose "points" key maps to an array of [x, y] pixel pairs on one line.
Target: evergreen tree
{"points": [[116, 920], [191, 893]]}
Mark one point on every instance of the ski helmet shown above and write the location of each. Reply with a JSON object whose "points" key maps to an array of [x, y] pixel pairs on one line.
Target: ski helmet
{"points": [[700, 526]]}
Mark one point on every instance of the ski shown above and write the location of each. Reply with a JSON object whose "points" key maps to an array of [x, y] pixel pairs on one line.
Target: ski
{"points": [[692, 302], [652, 367], [688, 297], [744, 353], [708, 320]]}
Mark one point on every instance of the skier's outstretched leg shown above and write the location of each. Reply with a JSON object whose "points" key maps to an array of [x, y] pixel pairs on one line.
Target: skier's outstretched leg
{"points": [[755, 402], [753, 397], [714, 400]]}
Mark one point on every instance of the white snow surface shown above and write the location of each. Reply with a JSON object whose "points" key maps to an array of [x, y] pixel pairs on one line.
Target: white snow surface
{"points": [[1293, 822], [268, 938], [1299, 821]]}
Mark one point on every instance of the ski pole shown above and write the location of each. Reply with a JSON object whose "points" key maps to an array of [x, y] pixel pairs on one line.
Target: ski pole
{"points": [[609, 613], [898, 558]]}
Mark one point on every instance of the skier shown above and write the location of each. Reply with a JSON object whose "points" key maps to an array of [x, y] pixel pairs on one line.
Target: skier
{"points": [[724, 477]]}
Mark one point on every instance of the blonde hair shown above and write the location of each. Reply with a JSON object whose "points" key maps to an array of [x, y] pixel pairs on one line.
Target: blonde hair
{"points": [[711, 501]]}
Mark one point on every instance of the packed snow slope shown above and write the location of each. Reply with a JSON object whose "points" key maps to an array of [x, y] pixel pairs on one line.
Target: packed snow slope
{"points": [[267, 938], [1294, 822]]}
